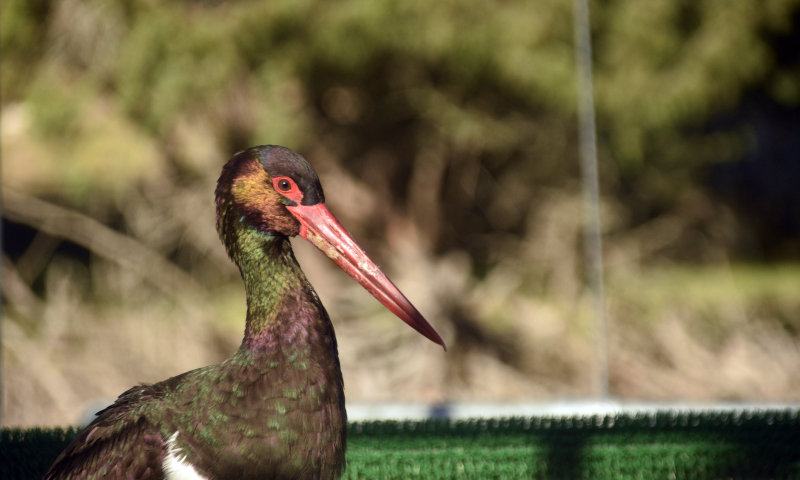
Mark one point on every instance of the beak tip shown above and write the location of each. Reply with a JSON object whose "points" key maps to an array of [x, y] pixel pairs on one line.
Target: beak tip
{"points": [[435, 338]]}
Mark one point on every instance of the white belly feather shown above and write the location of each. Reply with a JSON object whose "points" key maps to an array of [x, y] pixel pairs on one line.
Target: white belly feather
{"points": [[175, 465]]}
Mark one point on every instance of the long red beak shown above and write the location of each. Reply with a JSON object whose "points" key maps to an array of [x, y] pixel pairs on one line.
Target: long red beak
{"points": [[320, 227]]}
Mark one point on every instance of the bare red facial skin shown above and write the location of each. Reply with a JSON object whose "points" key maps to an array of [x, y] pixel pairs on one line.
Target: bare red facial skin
{"points": [[288, 188], [320, 227]]}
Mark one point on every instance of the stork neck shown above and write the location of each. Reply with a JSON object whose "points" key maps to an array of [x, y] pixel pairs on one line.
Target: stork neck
{"points": [[281, 304]]}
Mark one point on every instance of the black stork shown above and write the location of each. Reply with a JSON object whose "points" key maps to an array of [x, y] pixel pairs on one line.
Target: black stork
{"points": [[275, 409]]}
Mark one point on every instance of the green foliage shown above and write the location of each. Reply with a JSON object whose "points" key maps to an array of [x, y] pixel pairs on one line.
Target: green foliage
{"points": [[55, 108], [22, 41], [667, 63], [485, 91]]}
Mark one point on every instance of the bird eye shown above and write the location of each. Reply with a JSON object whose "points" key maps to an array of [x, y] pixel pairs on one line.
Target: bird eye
{"points": [[286, 187]]}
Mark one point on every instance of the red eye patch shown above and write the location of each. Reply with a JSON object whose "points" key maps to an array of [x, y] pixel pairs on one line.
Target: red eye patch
{"points": [[286, 187]]}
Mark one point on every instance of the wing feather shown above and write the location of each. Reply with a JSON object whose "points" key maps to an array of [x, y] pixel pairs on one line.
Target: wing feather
{"points": [[119, 444]]}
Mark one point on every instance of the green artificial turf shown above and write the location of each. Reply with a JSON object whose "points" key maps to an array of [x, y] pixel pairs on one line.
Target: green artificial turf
{"points": [[665, 445]]}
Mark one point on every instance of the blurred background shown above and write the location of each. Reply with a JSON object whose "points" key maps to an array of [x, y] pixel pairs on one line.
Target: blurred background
{"points": [[445, 136]]}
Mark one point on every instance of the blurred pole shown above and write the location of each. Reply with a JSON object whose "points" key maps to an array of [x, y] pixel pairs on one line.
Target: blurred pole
{"points": [[591, 195]]}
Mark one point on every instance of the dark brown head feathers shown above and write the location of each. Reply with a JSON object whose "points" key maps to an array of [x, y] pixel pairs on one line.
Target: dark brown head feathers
{"points": [[280, 162], [246, 196]]}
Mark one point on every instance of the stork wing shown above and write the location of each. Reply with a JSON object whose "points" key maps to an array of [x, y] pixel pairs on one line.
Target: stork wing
{"points": [[119, 444]]}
